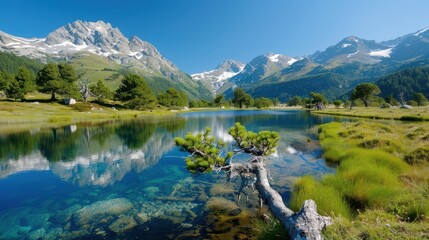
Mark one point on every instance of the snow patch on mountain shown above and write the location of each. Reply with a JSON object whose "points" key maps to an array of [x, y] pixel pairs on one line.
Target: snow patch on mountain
{"points": [[274, 57], [346, 45], [221, 74], [292, 61], [352, 54], [381, 53], [421, 31]]}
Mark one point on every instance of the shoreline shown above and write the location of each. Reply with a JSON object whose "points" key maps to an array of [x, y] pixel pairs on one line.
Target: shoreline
{"points": [[398, 114]]}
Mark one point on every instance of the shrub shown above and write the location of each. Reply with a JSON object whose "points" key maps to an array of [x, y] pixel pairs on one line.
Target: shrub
{"points": [[418, 156]]}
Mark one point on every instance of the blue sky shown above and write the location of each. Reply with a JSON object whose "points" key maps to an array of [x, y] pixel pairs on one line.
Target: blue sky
{"points": [[196, 35]]}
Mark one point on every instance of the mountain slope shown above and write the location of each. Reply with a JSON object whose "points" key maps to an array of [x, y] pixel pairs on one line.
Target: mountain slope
{"points": [[221, 74], [9, 62], [341, 67], [352, 49], [409, 81], [260, 67], [412, 46], [98, 41]]}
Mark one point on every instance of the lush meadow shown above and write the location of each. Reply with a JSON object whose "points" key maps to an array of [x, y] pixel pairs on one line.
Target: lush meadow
{"points": [[381, 187]]}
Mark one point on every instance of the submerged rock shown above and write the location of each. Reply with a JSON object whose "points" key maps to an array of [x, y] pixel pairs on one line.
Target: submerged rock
{"points": [[94, 212], [123, 224], [151, 191], [37, 234], [221, 189], [221, 205], [234, 212], [143, 217]]}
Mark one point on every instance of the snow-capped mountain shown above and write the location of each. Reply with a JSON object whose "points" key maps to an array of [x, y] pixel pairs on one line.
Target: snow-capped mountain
{"points": [[262, 66], [110, 51], [412, 46], [353, 49], [99, 38], [221, 74], [339, 68]]}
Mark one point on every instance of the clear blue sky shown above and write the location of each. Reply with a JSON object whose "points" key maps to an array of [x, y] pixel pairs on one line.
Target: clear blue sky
{"points": [[196, 35]]}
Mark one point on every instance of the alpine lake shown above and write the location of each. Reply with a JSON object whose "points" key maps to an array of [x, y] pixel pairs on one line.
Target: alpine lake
{"points": [[128, 180]]}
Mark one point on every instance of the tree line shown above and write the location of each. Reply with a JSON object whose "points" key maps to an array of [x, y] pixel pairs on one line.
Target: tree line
{"points": [[364, 94], [62, 80], [135, 93]]}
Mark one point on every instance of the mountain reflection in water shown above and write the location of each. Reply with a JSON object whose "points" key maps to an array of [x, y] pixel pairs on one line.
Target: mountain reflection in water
{"points": [[51, 179]]}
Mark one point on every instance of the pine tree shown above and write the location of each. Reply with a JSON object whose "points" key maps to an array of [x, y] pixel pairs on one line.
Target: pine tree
{"points": [[421, 99], [49, 80], [135, 92], [20, 85], [101, 91]]}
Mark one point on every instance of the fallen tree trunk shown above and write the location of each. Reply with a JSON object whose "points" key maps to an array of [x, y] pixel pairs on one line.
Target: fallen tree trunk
{"points": [[304, 224], [206, 155]]}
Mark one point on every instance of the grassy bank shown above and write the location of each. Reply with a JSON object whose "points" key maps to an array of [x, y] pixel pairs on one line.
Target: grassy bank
{"points": [[381, 187], [415, 114], [33, 114]]}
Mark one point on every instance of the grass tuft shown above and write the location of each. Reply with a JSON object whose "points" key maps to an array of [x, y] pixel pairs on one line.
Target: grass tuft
{"points": [[418, 156], [327, 198], [385, 197]]}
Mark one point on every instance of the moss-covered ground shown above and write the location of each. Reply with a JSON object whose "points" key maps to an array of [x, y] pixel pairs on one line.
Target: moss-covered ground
{"points": [[381, 187]]}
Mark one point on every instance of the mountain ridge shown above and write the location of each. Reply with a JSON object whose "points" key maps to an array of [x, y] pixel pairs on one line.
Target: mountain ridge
{"points": [[349, 62], [81, 43]]}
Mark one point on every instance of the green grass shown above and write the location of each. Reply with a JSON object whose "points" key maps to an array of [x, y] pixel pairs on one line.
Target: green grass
{"points": [[328, 198], [269, 230], [415, 114], [95, 68], [375, 224], [373, 182], [18, 116]]}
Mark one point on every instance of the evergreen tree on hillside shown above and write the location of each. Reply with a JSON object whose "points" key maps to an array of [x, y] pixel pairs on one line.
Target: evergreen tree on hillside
{"points": [[20, 85], [173, 98], [49, 80], [11, 63], [365, 92], [420, 99], [218, 101], [295, 101], [239, 97], [263, 102], [69, 78], [407, 82], [178, 98], [59, 79], [135, 92], [101, 91], [5, 77], [242, 98]]}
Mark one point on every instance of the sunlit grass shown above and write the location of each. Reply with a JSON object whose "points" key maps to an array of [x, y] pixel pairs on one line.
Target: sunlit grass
{"points": [[415, 114], [328, 199], [28, 115], [373, 180]]}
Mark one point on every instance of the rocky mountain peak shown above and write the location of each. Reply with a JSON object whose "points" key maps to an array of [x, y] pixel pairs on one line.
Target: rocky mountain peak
{"points": [[231, 66]]}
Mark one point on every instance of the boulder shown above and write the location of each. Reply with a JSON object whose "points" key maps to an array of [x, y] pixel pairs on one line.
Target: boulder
{"points": [[94, 212], [407, 106], [69, 101], [123, 224]]}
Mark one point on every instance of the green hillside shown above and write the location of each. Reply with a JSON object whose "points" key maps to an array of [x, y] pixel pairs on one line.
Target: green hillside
{"points": [[11, 63], [409, 81], [94, 68]]}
